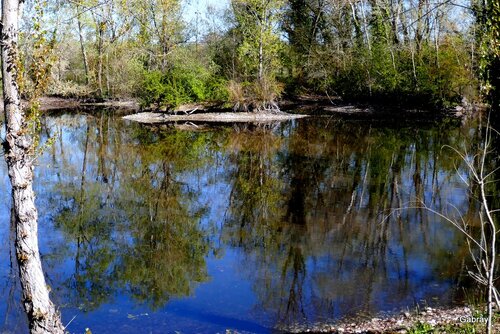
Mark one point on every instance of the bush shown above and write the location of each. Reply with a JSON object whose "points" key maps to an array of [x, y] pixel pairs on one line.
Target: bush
{"points": [[256, 96], [69, 89], [402, 75], [186, 81], [177, 87]]}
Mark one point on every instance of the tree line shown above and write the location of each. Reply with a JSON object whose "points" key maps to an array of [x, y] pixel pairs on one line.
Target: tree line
{"points": [[430, 53]]}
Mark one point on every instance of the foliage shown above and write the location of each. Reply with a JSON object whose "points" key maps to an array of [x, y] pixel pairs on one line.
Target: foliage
{"points": [[258, 50], [184, 82], [467, 328], [41, 57], [370, 58], [488, 19], [430, 79], [368, 50], [421, 328], [160, 29]]}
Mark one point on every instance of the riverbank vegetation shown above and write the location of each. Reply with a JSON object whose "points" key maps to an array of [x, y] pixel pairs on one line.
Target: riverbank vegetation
{"points": [[251, 53]]}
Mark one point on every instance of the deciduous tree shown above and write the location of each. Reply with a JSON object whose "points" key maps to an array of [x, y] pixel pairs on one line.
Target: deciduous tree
{"points": [[19, 154]]}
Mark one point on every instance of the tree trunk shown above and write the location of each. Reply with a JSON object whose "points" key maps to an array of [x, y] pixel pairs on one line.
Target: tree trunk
{"points": [[82, 44], [18, 146], [100, 47], [419, 34], [404, 25], [261, 53], [365, 28]]}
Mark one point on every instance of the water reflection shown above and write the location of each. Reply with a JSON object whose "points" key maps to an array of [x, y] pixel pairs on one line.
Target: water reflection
{"points": [[245, 227], [133, 222], [317, 238]]}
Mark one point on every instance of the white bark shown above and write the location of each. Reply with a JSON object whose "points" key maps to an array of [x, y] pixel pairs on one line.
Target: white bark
{"points": [[18, 146], [491, 252]]}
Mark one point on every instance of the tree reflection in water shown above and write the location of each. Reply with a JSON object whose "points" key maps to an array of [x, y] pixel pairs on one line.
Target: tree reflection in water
{"points": [[133, 221], [314, 236], [305, 206]]}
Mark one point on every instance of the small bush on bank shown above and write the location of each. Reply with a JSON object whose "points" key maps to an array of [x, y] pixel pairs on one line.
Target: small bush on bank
{"points": [[187, 80], [237, 95], [424, 328], [69, 89], [254, 96], [176, 87]]}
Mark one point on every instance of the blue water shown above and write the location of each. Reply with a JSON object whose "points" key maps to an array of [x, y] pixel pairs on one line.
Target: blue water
{"points": [[244, 228]]}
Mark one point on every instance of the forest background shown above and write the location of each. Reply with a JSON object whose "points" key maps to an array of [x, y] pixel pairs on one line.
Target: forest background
{"points": [[249, 54]]}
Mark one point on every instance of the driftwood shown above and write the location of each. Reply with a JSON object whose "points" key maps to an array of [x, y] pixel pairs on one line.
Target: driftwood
{"points": [[190, 108], [226, 117]]}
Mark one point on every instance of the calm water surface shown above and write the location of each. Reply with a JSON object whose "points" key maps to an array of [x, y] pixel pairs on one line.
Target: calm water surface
{"points": [[158, 230]]}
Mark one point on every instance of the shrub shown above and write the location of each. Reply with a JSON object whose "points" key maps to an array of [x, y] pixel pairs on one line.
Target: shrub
{"points": [[175, 87], [257, 96], [237, 95], [183, 83], [69, 89]]}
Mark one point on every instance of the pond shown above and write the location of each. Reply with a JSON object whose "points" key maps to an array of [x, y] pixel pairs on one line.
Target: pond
{"points": [[249, 228]]}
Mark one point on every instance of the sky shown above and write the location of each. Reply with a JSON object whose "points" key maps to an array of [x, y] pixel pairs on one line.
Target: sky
{"points": [[200, 6], [192, 8]]}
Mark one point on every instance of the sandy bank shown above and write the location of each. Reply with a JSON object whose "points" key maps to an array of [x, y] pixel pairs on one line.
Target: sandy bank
{"points": [[433, 317], [226, 117]]}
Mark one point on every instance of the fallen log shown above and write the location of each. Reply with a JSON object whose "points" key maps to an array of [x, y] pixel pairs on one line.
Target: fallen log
{"points": [[226, 117]]}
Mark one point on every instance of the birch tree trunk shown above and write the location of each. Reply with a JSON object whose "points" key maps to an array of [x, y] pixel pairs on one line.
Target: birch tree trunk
{"points": [[18, 146]]}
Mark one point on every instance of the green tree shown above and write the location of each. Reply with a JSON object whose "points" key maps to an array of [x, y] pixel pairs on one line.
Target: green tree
{"points": [[488, 18], [303, 22], [160, 29], [257, 22]]}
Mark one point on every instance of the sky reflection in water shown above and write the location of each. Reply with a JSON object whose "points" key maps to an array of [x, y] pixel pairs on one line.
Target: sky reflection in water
{"points": [[249, 228]]}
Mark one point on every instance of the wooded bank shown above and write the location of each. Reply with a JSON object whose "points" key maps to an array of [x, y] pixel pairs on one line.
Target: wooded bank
{"points": [[250, 53]]}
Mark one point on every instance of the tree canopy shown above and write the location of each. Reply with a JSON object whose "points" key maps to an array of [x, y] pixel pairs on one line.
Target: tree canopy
{"points": [[430, 53]]}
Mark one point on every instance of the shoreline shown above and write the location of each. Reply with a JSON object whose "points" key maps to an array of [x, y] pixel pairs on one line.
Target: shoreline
{"points": [[313, 105], [50, 103], [444, 319]]}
